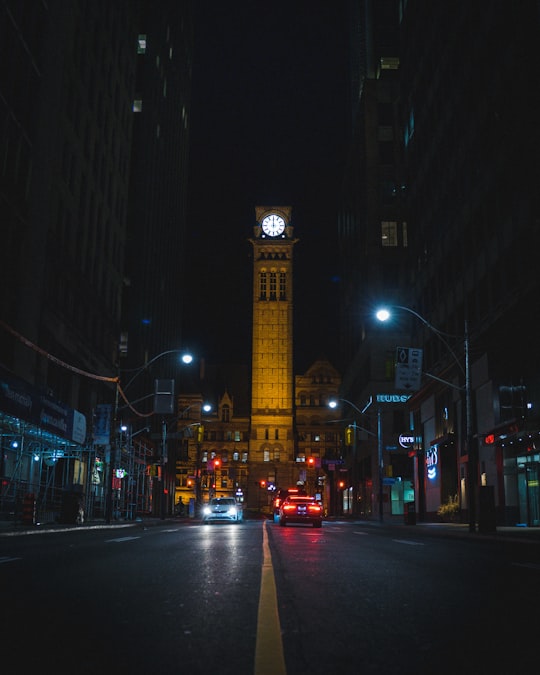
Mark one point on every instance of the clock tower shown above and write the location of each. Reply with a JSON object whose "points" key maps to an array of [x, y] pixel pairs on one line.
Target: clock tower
{"points": [[271, 445]]}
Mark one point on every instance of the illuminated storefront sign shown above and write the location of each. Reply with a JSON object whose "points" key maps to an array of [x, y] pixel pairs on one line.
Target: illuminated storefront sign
{"points": [[432, 461], [392, 398]]}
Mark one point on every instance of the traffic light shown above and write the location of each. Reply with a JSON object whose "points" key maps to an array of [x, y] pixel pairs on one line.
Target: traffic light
{"points": [[349, 436], [341, 484], [311, 462], [263, 484], [200, 433], [217, 464]]}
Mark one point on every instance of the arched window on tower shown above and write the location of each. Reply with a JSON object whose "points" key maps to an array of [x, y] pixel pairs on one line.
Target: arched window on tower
{"points": [[273, 285], [225, 413], [282, 286], [262, 285]]}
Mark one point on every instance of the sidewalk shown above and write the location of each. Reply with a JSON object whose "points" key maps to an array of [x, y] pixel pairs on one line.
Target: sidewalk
{"points": [[530, 535], [15, 528]]}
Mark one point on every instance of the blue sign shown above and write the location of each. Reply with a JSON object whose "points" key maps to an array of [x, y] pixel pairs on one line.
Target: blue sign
{"points": [[19, 399]]}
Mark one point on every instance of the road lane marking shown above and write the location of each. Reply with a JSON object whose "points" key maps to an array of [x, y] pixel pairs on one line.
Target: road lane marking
{"points": [[530, 566], [361, 533], [269, 659], [5, 559], [119, 539], [407, 541]]}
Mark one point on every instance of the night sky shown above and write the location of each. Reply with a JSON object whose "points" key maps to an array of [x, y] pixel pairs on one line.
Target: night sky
{"points": [[268, 127]]}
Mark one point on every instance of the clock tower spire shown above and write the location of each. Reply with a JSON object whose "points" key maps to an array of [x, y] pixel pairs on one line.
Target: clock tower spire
{"points": [[271, 445]]}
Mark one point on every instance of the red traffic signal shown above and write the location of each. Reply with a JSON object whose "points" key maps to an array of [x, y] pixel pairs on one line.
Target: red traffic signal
{"points": [[311, 461]]}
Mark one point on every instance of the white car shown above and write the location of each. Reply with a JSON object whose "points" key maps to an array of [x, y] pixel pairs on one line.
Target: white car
{"points": [[222, 509]]}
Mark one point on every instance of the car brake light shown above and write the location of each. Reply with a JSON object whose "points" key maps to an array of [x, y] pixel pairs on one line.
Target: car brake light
{"points": [[289, 507], [314, 508]]}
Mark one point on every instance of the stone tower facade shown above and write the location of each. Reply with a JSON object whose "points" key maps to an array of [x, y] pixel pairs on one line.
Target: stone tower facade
{"points": [[272, 443]]}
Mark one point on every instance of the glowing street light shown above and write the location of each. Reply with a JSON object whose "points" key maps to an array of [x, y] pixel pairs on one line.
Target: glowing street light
{"points": [[384, 314], [185, 357]]}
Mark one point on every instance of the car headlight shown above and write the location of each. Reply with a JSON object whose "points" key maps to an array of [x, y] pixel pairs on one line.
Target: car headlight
{"points": [[232, 511], [207, 511]]}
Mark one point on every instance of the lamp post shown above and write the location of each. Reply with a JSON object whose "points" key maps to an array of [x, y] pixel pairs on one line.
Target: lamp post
{"points": [[472, 474], [186, 358], [378, 435]]}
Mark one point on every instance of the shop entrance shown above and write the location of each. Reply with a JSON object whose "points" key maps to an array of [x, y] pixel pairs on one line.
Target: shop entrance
{"points": [[529, 493]]}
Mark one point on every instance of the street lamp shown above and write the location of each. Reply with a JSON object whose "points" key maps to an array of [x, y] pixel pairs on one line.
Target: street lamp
{"points": [[186, 358], [383, 315], [333, 404]]}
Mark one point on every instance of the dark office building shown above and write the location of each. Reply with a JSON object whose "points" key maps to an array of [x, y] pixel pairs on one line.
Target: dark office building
{"points": [[84, 170], [155, 285], [464, 240]]}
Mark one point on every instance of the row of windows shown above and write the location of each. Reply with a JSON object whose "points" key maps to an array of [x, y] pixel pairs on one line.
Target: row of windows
{"points": [[226, 435], [224, 456], [273, 434], [268, 285], [320, 400]]}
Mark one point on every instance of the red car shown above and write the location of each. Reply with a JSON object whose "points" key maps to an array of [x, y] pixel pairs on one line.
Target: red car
{"points": [[300, 509], [282, 494]]}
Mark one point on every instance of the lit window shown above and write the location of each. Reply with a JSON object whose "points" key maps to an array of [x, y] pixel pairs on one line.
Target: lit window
{"points": [[389, 233], [137, 105], [273, 285], [141, 44], [389, 62], [409, 129], [262, 285], [282, 286]]}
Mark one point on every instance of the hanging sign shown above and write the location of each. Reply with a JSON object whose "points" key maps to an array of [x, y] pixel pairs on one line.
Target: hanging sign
{"points": [[408, 368]]}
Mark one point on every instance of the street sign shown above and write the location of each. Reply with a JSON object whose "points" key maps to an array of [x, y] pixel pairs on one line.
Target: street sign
{"points": [[408, 368]]}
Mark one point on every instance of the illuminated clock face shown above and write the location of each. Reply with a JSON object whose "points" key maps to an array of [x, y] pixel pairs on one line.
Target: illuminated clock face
{"points": [[273, 225]]}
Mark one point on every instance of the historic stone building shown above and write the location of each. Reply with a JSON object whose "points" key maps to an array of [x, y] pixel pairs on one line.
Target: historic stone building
{"points": [[286, 435]]}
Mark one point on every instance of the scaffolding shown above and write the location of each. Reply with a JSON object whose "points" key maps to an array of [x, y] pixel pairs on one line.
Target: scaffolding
{"points": [[61, 481]]}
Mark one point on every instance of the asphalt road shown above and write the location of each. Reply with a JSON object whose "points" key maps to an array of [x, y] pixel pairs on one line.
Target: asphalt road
{"points": [[255, 598]]}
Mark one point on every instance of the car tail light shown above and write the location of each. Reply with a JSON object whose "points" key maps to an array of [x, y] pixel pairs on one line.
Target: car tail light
{"points": [[289, 507], [314, 508]]}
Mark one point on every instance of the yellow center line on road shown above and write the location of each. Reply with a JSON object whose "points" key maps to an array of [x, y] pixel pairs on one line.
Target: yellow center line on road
{"points": [[269, 659]]}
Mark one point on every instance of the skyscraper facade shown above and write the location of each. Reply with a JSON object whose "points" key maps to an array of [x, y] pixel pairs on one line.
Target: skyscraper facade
{"points": [[463, 285]]}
